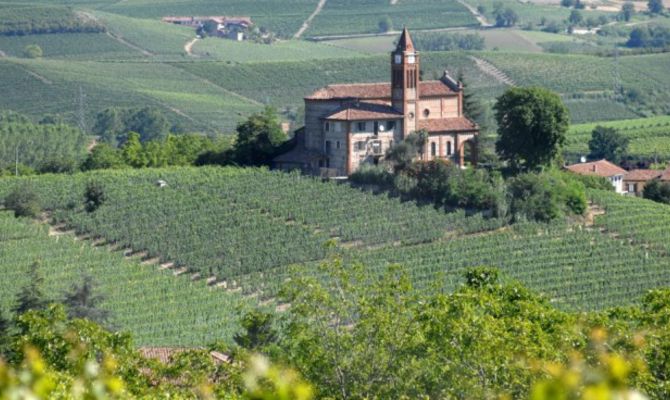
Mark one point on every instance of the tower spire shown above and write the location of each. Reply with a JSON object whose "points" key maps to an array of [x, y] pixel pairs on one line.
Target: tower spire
{"points": [[405, 43]]}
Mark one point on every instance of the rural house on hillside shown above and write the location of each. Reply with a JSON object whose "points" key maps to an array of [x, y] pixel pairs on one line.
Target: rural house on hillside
{"points": [[347, 125], [602, 168], [230, 27]]}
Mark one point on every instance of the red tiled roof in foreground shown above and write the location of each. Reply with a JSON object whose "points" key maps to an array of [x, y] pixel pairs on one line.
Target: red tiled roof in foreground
{"points": [[642, 175], [447, 124], [364, 111], [602, 168], [164, 354], [375, 91]]}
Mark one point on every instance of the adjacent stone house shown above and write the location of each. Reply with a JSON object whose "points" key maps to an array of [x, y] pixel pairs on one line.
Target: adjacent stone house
{"points": [[347, 125], [635, 180]]}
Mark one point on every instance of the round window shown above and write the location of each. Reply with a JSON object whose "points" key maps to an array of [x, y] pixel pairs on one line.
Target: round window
{"points": [[410, 115], [426, 113]]}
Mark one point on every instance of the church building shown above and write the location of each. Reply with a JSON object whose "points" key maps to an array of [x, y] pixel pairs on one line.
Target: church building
{"points": [[347, 125]]}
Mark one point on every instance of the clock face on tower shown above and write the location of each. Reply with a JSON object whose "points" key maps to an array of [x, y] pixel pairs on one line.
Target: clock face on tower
{"points": [[411, 59], [398, 58]]}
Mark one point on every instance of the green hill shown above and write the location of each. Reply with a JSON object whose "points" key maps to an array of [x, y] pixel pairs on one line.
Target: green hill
{"points": [[245, 227]]}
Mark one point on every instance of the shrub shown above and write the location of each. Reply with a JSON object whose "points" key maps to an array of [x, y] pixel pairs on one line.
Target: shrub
{"points": [[369, 174], [23, 201], [94, 196], [657, 191], [533, 198], [32, 51]]}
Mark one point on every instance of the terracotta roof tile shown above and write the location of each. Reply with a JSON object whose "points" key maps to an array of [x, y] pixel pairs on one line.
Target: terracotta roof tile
{"points": [[602, 168], [365, 111], [642, 175], [447, 124], [375, 91]]}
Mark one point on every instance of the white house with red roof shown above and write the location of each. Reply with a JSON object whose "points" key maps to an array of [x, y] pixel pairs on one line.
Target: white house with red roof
{"points": [[347, 125], [602, 168]]}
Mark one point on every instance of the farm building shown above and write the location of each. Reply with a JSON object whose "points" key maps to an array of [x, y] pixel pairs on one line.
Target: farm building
{"points": [[635, 180], [347, 125], [230, 27], [603, 168]]}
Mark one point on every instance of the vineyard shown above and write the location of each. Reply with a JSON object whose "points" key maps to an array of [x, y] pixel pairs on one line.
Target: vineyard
{"points": [[31, 19], [158, 308], [649, 137], [244, 228]]}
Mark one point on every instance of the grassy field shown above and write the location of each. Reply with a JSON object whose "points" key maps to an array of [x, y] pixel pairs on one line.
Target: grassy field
{"points": [[270, 220], [158, 308], [74, 46]]}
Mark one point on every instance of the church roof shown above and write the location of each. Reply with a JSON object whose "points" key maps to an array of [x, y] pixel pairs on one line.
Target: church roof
{"points": [[447, 124], [364, 111], [405, 42], [602, 168], [375, 91]]}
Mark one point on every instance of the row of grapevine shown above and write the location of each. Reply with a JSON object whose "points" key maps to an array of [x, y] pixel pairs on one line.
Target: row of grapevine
{"points": [[158, 308]]}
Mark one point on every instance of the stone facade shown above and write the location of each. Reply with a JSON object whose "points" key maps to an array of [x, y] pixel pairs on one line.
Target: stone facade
{"points": [[351, 124]]}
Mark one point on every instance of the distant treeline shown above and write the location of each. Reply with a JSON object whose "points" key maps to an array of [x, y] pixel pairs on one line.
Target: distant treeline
{"points": [[37, 146], [30, 20], [440, 41]]}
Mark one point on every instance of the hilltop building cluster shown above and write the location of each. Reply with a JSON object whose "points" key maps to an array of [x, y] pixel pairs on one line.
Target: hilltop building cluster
{"points": [[227, 27], [347, 125]]}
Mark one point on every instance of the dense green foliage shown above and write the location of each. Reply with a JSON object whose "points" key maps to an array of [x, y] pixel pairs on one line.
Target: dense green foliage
{"points": [[23, 201], [657, 191], [532, 123], [649, 36], [35, 19], [608, 143], [38, 145]]}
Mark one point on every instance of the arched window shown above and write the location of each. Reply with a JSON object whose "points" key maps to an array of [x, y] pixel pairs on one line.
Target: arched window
{"points": [[433, 149], [448, 148], [426, 113]]}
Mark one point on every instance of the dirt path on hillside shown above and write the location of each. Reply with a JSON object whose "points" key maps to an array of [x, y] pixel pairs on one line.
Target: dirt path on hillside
{"points": [[126, 43], [38, 76], [188, 47], [309, 19], [483, 22], [493, 71]]}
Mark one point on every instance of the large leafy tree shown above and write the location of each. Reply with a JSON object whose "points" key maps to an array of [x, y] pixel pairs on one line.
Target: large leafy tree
{"points": [[532, 124], [608, 143], [258, 138]]}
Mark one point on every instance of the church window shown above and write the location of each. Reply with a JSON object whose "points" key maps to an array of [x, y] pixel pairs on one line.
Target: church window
{"points": [[361, 126], [426, 113], [410, 115], [329, 146], [448, 148], [327, 126], [337, 145], [433, 149]]}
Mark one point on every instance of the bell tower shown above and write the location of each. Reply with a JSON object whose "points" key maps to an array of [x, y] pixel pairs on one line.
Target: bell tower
{"points": [[405, 82]]}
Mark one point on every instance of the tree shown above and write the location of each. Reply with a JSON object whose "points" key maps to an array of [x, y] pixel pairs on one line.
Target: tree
{"points": [[403, 154], [149, 122], [627, 11], [532, 124], [24, 201], [385, 24], [567, 3], [103, 156], [506, 18], [609, 144], [657, 191], [94, 196], [258, 138], [82, 302], [30, 297], [32, 51], [655, 6], [132, 151], [258, 332], [472, 107], [575, 17]]}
